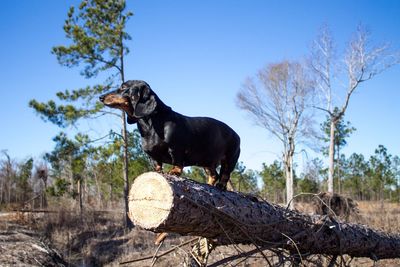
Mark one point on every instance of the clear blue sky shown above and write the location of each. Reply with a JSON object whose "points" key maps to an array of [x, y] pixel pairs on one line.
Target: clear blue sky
{"points": [[195, 55]]}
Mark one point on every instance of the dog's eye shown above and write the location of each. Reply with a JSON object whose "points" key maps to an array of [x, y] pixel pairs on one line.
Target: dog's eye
{"points": [[136, 96], [124, 90]]}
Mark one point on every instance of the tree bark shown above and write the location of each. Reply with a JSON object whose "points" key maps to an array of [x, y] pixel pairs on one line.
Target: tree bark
{"points": [[288, 162], [165, 203], [331, 155], [125, 171]]}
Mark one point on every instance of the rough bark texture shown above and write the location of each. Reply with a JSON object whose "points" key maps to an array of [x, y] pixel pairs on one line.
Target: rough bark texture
{"points": [[128, 223], [331, 155], [165, 203]]}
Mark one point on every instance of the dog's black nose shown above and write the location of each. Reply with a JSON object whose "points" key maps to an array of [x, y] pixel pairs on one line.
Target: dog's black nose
{"points": [[102, 98]]}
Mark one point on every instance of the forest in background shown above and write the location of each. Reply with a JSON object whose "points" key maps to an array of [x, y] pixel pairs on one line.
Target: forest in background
{"points": [[97, 173], [91, 175]]}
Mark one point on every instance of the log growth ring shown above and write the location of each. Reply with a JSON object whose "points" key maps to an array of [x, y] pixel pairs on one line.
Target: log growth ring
{"points": [[150, 200]]}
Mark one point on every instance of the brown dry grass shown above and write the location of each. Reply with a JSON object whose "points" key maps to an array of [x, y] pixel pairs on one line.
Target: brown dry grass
{"points": [[383, 216], [99, 239]]}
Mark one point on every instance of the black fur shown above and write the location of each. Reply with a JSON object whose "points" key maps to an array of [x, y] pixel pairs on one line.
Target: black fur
{"points": [[170, 137]]}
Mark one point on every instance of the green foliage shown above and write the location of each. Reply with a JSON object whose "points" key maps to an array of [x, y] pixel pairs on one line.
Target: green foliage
{"points": [[310, 179], [396, 174], [244, 180], [355, 171], [342, 131], [196, 173], [67, 151], [106, 163], [308, 186], [273, 181], [64, 115], [15, 180], [25, 173], [380, 171], [377, 178], [96, 32], [98, 166], [61, 186]]}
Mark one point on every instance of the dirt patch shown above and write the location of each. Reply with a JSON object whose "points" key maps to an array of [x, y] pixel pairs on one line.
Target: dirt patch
{"points": [[20, 246]]}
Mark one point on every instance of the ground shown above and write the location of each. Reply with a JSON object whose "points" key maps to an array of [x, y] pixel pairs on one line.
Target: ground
{"points": [[64, 238], [22, 246]]}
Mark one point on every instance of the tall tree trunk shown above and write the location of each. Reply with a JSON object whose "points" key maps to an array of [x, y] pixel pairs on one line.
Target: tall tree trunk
{"points": [[79, 185], [331, 155], [9, 192], [289, 180], [43, 202], [128, 223], [338, 169], [288, 162], [1, 191], [99, 193]]}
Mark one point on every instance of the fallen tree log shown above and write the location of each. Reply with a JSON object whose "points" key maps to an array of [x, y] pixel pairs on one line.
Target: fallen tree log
{"points": [[165, 203]]}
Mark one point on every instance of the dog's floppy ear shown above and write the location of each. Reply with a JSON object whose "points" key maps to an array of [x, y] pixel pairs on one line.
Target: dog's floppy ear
{"points": [[147, 102], [131, 120]]}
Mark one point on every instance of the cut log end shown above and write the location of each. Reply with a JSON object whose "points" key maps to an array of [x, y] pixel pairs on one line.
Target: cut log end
{"points": [[150, 200]]}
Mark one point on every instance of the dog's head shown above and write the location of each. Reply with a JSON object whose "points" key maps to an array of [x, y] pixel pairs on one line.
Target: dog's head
{"points": [[134, 97]]}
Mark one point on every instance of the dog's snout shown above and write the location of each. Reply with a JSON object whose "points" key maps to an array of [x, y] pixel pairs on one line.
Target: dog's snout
{"points": [[101, 98]]}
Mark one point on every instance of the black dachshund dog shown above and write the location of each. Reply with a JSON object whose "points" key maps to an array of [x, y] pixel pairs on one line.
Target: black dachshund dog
{"points": [[170, 137]]}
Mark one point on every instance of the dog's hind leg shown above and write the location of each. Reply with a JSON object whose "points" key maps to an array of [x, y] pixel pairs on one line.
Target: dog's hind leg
{"points": [[225, 176], [227, 166]]}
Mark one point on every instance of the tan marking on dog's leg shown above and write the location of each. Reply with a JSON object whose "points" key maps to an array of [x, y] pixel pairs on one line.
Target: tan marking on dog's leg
{"points": [[212, 176], [212, 180], [158, 167], [176, 170]]}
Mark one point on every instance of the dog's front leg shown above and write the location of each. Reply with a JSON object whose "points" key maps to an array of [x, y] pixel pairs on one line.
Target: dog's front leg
{"points": [[158, 167], [177, 162], [212, 175], [176, 170]]}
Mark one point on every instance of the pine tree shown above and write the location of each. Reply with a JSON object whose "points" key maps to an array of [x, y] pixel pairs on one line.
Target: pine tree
{"points": [[341, 132], [97, 34]]}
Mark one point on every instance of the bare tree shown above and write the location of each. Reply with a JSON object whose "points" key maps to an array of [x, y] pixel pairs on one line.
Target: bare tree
{"points": [[8, 174], [41, 175], [360, 62], [277, 101]]}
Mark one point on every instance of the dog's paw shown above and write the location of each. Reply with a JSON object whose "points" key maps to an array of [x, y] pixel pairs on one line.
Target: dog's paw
{"points": [[176, 170], [221, 186], [158, 168]]}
